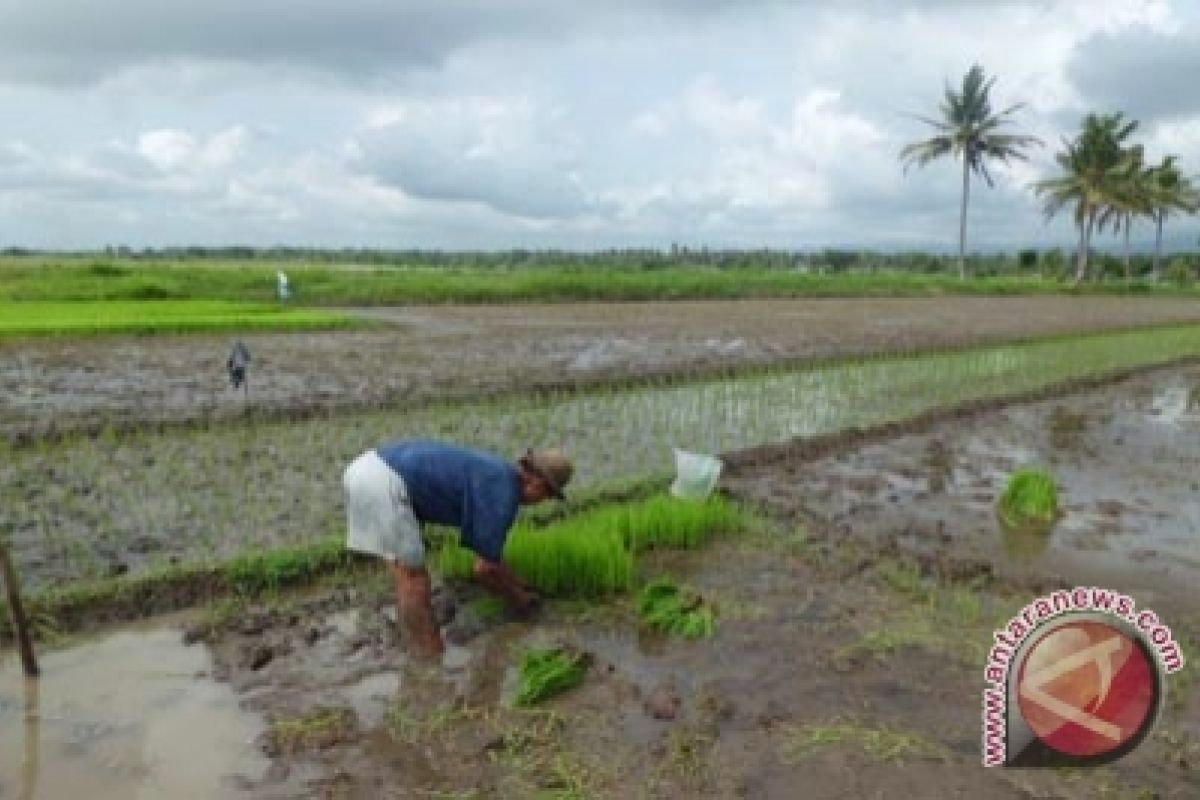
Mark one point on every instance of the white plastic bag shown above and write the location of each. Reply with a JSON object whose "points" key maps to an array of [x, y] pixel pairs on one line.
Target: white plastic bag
{"points": [[696, 474]]}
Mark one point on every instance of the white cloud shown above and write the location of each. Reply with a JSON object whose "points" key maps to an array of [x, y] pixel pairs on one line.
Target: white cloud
{"points": [[476, 124], [508, 153]]}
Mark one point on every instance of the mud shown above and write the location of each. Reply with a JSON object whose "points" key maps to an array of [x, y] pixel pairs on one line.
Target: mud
{"points": [[728, 717], [424, 354], [817, 653], [812, 639], [1122, 455]]}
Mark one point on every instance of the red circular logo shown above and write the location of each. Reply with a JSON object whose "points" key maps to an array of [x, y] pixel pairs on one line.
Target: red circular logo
{"points": [[1086, 688]]}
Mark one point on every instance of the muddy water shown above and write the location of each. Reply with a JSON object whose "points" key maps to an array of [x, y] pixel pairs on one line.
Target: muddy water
{"points": [[129, 715], [126, 504], [1123, 456]]}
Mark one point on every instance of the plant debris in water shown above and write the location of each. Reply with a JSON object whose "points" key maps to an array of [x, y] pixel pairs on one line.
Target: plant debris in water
{"points": [[1030, 499], [547, 672], [665, 607]]}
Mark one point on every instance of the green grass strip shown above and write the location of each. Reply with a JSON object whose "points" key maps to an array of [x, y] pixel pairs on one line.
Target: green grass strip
{"points": [[1030, 499], [544, 673], [79, 605], [159, 316], [65, 278], [663, 606]]}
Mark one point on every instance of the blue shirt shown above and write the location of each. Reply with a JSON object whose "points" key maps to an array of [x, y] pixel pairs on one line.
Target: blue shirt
{"points": [[476, 492]]}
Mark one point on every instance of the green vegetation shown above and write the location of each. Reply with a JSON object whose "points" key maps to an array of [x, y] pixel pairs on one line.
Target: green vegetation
{"points": [[544, 673], [317, 729], [663, 606], [1030, 499], [157, 316], [72, 606], [591, 554], [426, 279], [879, 743]]}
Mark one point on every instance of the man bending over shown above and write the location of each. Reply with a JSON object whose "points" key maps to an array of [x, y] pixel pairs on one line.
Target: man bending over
{"points": [[392, 490]]}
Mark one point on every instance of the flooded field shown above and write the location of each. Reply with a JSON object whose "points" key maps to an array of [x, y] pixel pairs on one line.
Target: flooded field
{"points": [[424, 354], [130, 715], [851, 630], [1121, 454], [115, 504]]}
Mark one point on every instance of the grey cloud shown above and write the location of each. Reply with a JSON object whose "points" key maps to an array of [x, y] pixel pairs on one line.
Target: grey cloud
{"points": [[79, 41], [82, 42], [526, 178], [1146, 76]]}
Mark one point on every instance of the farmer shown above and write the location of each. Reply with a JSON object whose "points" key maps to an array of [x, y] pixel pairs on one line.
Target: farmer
{"points": [[393, 490]]}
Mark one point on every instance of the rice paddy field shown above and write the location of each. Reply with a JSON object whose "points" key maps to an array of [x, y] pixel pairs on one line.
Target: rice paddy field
{"points": [[827, 616]]}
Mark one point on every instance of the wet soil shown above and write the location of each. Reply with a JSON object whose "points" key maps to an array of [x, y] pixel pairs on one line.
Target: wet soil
{"points": [[826, 672], [770, 704], [422, 354], [1123, 456], [814, 658]]}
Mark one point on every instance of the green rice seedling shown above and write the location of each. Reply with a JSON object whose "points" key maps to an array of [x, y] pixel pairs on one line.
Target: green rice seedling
{"points": [[591, 554], [1030, 499], [158, 316], [663, 606], [544, 673], [569, 559]]}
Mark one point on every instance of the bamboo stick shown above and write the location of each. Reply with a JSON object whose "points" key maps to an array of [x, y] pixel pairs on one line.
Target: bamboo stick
{"points": [[16, 612]]}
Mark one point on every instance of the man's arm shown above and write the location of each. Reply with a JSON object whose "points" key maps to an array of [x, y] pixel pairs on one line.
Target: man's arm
{"points": [[499, 578]]}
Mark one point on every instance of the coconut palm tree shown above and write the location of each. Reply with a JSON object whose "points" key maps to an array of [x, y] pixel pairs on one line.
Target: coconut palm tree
{"points": [[1095, 167], [1131, 195], [969, 130], [1170, 191]]}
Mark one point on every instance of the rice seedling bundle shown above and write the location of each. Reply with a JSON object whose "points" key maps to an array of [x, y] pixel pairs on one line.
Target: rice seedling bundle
{"points": [[544, 673], [591, 554], [1030, 499], [663, 606]]}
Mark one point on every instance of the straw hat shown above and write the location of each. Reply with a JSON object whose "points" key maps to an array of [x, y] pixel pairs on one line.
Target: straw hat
{"points": [[551, 466]]}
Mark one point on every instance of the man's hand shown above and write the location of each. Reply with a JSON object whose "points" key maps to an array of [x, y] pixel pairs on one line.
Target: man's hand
{"points": [[499, 578], [529, 606]]}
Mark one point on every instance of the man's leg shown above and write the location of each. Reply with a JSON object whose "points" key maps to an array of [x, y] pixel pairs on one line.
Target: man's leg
{"points": [[415, 607]]}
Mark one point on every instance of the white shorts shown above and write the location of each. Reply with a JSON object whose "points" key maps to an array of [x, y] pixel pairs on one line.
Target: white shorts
{"points": [[379, 517]]}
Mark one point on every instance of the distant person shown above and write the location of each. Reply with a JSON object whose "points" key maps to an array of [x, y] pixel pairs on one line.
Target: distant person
{"points": [[237, 364], [281, 285], [393, 490]]}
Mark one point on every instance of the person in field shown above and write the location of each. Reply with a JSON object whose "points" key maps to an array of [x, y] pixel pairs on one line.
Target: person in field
{"points": [[394, 489]]}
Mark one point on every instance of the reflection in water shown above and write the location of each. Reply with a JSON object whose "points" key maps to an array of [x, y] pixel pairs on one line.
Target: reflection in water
{"points": [[31, 762], [1025, 543], [127, 716]]}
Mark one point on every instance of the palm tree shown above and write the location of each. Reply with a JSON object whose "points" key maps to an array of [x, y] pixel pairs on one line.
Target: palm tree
{"points": [[969, 130], [1095, 168], [1130, 196], [1169, 191]]}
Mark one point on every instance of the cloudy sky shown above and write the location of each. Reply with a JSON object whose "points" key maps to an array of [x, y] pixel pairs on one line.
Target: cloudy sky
{"points": [[546, 123]]}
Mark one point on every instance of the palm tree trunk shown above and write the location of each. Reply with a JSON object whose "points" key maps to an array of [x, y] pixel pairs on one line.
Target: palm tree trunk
{"points": [[1081, 256], [1158, 219], [962, 220], [1085, 244], [1128, 225]]}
